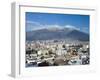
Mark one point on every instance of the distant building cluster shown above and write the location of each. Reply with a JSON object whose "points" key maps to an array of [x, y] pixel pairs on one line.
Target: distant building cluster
{"points": [[56, 53]]}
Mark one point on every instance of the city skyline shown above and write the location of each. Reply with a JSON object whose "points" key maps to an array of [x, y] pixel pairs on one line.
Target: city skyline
{"points": [[56, 39]]}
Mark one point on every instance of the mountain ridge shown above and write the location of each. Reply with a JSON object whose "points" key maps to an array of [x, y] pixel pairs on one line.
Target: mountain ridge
{"points": [[56, 33]]}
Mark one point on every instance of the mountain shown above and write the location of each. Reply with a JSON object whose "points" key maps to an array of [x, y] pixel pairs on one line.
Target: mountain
{"points": [[56, 33]]}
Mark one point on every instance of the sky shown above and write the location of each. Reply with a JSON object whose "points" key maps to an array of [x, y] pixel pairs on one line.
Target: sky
{"points": [[35, 21]]}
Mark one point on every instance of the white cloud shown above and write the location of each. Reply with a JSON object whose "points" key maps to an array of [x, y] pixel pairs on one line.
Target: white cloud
{"points": [[72, 27], [31, 25], [53, 26]]}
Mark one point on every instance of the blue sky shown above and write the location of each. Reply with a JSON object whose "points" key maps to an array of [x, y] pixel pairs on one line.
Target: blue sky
{"points": [[36, 21]]}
